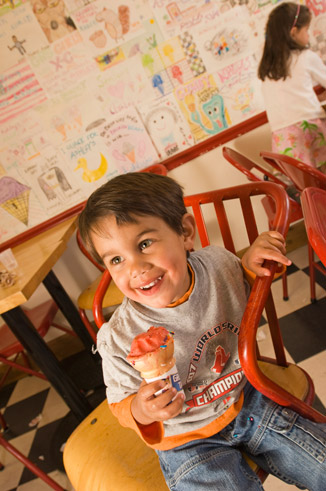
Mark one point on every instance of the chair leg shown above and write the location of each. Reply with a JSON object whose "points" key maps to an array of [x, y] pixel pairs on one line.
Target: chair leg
{"points": [[30, 465], [312, 274], [285, 286]]}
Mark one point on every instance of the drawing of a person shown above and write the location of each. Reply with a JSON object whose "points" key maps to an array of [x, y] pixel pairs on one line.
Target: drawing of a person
{"points": [[18, 45], [161, 125]]}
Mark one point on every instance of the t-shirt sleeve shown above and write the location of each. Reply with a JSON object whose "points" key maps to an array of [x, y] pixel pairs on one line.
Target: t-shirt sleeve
{"points": [[150, 434], [317, 69]]}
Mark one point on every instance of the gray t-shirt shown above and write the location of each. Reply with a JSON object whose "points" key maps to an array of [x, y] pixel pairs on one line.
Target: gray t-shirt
{"points": [[206, 329]]}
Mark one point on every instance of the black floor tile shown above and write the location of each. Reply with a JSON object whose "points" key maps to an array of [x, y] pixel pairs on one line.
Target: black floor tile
{"points": [[302, 325], [320, 278], [19, 415], [5, 393]]}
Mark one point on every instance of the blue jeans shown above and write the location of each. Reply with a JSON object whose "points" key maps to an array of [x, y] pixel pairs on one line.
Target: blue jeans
{"points": [[280, 441]]}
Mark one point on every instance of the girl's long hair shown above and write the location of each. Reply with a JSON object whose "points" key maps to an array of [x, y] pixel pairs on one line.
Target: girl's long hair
{"points": [[279, 43]]}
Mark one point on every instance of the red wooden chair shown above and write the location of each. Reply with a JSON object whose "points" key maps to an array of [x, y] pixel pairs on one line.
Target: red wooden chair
{"points": [[42, 318], [313, 202], [113, 296], [24, 460], [247, 166], [302, 176], [88, 452]]}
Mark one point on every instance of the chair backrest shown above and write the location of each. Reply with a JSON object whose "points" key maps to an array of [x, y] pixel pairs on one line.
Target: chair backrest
{"points": [[156, 169], [301, 174], [223, 200], [313, 201], [245, 165]]}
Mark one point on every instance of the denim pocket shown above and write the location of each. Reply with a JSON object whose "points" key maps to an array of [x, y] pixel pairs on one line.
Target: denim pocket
{"points": [[309, 436]]}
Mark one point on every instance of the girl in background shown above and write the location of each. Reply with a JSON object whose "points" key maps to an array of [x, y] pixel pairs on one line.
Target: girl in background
{"points": [[289, 70]]}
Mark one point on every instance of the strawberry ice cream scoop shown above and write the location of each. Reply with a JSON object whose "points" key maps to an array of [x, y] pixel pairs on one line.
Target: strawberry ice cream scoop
{"points": [[151, 352]]}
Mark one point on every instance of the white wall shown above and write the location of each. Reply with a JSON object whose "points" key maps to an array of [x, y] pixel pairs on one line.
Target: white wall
{"points": [[207, 172]]}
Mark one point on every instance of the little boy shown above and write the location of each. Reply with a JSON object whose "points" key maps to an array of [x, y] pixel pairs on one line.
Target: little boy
{"points": [[137, 225]]}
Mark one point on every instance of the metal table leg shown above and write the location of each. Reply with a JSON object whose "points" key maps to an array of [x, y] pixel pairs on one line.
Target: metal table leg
{"points": [[28, 336], [69, 310]]}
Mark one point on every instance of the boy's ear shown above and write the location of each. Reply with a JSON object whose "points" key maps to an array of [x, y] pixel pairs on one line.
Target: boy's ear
{"points": [[189, 231]]}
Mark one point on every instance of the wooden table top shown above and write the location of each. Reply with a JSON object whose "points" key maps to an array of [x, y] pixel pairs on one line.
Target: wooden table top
{"points": [[35, 258]]}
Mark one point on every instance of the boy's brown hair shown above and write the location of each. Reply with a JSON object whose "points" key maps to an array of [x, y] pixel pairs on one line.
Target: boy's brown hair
{"points": [[130, 195]]}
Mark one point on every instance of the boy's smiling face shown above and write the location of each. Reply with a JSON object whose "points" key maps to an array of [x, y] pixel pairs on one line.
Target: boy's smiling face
{"points": [[147, 259]]}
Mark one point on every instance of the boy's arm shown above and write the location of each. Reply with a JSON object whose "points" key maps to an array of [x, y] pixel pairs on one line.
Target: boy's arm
{"points": [[268, 245]]}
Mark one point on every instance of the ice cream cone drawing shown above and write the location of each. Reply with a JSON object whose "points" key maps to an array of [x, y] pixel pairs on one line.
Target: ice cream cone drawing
{"points": [[129, 151], [190, 102], [152, 354], [14, 198], [168, 51], [89, 175]]}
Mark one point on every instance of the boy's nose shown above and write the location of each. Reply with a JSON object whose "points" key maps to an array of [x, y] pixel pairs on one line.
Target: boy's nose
{"points": [[138, 268]]}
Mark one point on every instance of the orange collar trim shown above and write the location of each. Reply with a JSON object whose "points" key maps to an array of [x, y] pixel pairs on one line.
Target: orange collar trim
{"points": [[185, 297]]}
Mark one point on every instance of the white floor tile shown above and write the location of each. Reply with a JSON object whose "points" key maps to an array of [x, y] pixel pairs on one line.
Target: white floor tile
{"points": [[299, 293], [13, 468], [54, 408], [316, 367], [27, 387]]}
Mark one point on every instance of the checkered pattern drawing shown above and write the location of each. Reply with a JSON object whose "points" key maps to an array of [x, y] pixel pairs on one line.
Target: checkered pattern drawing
{"points": [[192, 54]]}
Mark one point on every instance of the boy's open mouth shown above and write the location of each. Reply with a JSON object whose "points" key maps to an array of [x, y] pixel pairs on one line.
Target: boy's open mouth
{"points": [[151, 284]]}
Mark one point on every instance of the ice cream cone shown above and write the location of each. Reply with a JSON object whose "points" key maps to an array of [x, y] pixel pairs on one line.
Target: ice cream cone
{"points": [[152, 352], [152, 355]]}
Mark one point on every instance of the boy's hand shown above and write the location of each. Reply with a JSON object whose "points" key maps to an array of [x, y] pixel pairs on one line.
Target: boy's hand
{"points": [[147, 408], [268, 245]]}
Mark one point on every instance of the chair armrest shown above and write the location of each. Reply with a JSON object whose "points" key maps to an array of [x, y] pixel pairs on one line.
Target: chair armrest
{"points": [[248, 351]]}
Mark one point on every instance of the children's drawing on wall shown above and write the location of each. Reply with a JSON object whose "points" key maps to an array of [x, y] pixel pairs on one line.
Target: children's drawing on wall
{"points": [[239, 87], [52, 181], [203, 107], [14, 198], [8, 5], [192, 56], [62, 64], [88, 158], [175, 17], [53, 18], [177, 58], [161, 83], [91, 175], [106, 26], [20, 35], [124, 85], [67, 115], [129, 145], [318, 30], [166, 126], [54, 184], [146, 40], [221, 43], [19, 92]]}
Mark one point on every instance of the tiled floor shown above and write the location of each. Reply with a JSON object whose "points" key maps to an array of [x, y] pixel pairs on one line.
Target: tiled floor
{"points": [[40, 422]]}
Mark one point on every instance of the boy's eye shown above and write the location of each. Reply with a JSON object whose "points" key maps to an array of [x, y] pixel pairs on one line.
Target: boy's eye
{"points": [[116, 260], [144, 244]]}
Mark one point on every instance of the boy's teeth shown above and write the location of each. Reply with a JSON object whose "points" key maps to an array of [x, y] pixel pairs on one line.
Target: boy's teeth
{"points": [[151, 284]]}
